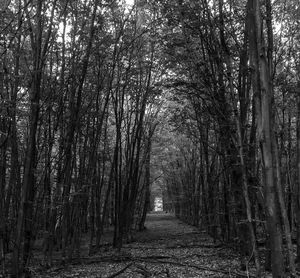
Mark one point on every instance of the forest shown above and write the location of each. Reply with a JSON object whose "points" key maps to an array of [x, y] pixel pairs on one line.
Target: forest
{"points": [[107, 104]]}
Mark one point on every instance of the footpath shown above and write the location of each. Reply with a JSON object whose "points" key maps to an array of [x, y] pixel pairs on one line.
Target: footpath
{"points": [[166, 248]]}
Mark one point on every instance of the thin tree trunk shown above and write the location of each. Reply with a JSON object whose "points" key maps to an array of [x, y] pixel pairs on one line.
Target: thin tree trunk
{"points": [[3, 164], [147, 188], [74, 112], [25, 224], [238, 117], [298, 176], [282, 206], [247, 199]]}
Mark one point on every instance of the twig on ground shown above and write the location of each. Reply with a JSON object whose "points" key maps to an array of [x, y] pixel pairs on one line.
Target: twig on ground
{"points": [[168, 272], [156, 260], [143, 271], [194, 246], [120, 271], [202, 268]]}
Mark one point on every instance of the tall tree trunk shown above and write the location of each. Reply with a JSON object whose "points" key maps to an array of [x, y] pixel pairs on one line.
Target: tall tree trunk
{"points": [[283, 210], [240, 117], [146, 202], [264, 95], [25, 224], [247, 198], [3, 157], [298, 176], [75, 105]]}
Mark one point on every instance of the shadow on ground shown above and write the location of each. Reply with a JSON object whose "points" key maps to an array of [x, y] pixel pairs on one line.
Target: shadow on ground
{"points": [[166, 248]]}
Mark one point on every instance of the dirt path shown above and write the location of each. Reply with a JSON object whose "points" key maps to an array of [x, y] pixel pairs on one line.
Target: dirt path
{"points": [[167, 248]]}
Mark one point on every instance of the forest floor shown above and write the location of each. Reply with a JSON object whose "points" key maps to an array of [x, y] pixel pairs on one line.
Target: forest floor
{"points": [[166, 248]]}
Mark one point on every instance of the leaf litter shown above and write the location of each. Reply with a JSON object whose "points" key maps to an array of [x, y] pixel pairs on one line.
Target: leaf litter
{"points": [[166, 248]]}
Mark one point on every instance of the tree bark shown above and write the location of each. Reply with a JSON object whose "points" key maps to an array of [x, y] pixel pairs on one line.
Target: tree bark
{"points": [[25, 224], [298, 176], [263, 96], [283, 210]]}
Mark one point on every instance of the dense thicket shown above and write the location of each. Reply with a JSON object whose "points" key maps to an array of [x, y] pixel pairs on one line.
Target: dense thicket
{"points": [[100, 100], [77, 117], [235, 104]]}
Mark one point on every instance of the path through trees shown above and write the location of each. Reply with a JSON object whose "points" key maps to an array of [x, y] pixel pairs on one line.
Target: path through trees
{"points": [[105, 105], [167, 248]]}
